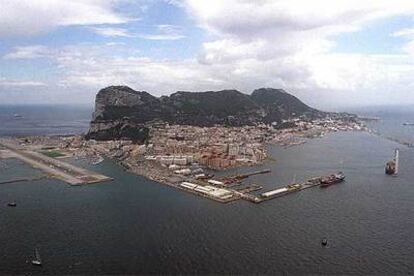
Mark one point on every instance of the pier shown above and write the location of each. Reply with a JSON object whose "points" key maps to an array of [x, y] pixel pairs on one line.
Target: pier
{"points": [[223, 192], [289, 189], [279, 192], [236, 179], [52, 167]]}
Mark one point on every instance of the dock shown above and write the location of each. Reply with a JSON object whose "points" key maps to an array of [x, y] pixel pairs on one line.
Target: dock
{"points": [[223, 192], [286, 190], [249, 189], [236, 179], [52, 167]]}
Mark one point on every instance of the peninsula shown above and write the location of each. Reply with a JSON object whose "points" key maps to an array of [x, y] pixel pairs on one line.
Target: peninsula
{"points": [[180, 140]]}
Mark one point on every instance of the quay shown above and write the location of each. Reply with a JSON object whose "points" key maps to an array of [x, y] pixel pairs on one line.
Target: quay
{"points": [[52, 167], [236, 179], [250, 189], [292, 188], [222, 192]]}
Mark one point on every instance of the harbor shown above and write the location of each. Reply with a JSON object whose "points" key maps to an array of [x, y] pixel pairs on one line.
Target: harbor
{"points": [[224, 190], [169, 218], [190, 178]]}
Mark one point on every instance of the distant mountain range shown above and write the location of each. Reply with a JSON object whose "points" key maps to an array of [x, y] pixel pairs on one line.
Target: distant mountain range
{"points": [[121, 112]]}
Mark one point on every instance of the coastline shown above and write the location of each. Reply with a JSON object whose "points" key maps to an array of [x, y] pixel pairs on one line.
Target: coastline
{"points": [[183, 154], [131, 197]]}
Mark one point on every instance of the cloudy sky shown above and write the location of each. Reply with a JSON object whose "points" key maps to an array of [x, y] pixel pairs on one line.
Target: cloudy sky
{"points": [[329, 53]]}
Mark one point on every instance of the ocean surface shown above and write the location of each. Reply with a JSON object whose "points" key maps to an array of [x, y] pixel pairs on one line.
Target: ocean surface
{"points": [[44, 120], [133, 225]]}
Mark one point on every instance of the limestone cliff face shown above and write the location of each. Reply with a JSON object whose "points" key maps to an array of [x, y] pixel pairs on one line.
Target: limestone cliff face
{"points": [[119, 98], [121, 112], [278, 104]]}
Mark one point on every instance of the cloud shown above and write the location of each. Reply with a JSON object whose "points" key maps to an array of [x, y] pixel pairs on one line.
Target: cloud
{"points": [[246, 18], [408, 32], [19, 83], [162, 32], [318, 79], [409, 48], [111, 32], [299, 36], [286, 43], [165, 32], [28, 52], [26, 17]]}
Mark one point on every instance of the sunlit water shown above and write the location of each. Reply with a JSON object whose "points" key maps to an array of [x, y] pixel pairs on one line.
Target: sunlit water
{"points": [[133, 225]]}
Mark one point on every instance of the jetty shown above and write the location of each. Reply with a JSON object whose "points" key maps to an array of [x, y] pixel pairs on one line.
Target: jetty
{"points": [[280, 191], [236, 179], [288, 189], [225, 191]]}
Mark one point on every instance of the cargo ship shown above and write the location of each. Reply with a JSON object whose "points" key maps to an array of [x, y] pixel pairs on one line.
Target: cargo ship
{"points": [[332, 179]]}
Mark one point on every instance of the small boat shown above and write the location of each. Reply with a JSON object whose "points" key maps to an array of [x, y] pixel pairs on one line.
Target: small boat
{"points": [[324, 242], [17, 116], [12, 204], [37, 261], [408, 124]]}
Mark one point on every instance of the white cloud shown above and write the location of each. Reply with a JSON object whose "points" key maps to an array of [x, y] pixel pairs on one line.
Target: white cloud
{"points": [[299, 36], [409, 48], [408, 32], [27, 17], [256, 18], [91, 67], [19, 83], [162, 32], [28, 52], [111, 32], [165, 32], [263, 43]]}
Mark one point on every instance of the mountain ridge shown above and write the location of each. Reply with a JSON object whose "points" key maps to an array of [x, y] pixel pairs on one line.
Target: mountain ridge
{"points": [[120, 108]]}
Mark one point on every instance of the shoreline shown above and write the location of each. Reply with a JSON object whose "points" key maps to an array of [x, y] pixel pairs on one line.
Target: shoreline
{"points": [[178, 154]]}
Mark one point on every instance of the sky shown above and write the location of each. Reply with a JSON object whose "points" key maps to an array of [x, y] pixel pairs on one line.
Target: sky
{"points": [[330, 54]]}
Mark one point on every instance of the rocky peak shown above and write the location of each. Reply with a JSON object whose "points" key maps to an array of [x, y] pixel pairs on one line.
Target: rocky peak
{"points": [[120, 105]]}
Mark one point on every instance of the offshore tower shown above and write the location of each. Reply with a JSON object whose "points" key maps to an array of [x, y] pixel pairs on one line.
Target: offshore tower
{"points": [[391, 167]]}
